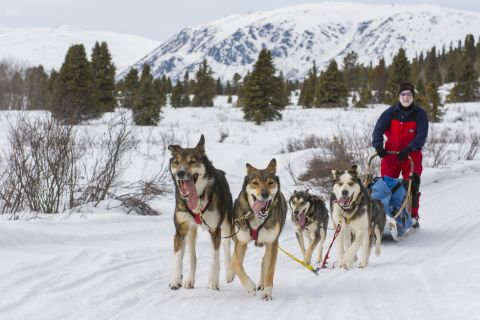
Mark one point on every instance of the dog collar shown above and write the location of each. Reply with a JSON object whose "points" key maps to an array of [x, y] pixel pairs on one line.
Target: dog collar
{"points": [[198, 215]]}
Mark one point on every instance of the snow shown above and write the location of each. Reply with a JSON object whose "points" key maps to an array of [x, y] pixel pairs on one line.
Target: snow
{"points": [[105, 264], [48, 46]]}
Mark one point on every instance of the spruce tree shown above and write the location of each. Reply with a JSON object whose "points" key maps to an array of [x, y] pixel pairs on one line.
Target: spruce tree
{"points": [[398, 72], [219, 87], [434, 106], [420, 94], [103, 72], [331, 91], [159, 90], [177, 94], [205, 86], [36, 86], [236, 82], [467, 88], [351, 71], [146, 111], [73, 100], [432, 68], [365, 97], [259, 95], [378, 80], [128, 88], [307, 94]]}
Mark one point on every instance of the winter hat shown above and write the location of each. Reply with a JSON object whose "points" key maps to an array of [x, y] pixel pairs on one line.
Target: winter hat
{"points": [[406, 86]]}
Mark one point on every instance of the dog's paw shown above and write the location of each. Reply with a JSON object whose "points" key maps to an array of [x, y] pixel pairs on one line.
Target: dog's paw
{"points": [[175, 284], [260, 286], [251, 288], [189, 284], [267, 294], [345, 264], [213, 285], [230, 275], [307, 261]]}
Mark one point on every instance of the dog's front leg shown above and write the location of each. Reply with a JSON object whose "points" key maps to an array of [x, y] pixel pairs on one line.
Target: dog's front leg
{"points": [[270, 260], [301, 241], [311, 247], [189, 281], [260, 285], [238, 256], [351, 253], [178, 253], [323, 235], [213, 282], [227, 232]]}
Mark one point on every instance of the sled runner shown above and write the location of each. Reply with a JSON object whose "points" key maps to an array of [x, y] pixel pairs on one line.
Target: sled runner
{"points": [[396, 197]]}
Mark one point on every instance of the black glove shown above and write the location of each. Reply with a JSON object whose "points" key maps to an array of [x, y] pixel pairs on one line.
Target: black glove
{"points": [[381, 152], [403, 154]]}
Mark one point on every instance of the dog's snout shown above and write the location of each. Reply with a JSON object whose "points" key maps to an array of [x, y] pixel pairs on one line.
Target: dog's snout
{"points": [[181, 174], [344, 193], [264, 194], [295, 211]]}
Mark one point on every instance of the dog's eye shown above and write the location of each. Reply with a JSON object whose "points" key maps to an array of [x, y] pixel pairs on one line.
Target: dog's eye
{"points": [[255, 183], [271, 183], [351, 183], [175, 162], [193, 161], [340, 184]]}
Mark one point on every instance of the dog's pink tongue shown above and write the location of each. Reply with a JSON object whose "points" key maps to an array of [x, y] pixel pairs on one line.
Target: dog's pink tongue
{"points": [[192, 193], [301, 220], [258, 205], [342, 200]]}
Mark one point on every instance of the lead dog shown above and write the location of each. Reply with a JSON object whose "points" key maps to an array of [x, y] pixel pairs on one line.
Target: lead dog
{"points": [[362, 218], [202, 198], [310, 220], [259, 212]]}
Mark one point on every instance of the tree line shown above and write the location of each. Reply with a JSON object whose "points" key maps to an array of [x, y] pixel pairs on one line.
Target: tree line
{"points": [[85, 88]]}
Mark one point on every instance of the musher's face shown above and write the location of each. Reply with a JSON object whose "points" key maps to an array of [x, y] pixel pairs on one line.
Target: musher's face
{"points": [[405, 98]]}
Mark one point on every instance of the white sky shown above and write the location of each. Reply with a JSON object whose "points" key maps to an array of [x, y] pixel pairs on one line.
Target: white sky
{"points": [[157, 20]]}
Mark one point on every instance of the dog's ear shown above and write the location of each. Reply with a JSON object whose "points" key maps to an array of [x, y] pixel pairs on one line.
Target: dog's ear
{"points": [[354, 170], [334, 174], [272, 166], [174, 148], [201, 145], [250, 168]]}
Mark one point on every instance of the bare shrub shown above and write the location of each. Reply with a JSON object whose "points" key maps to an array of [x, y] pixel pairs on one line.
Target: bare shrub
{"points": [[141, 192], [436, 150], [474, 147], [110, 161], [40, 169], [309, 142]]}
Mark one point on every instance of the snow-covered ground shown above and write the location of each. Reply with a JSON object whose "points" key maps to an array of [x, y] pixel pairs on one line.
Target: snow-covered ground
{"points": [[110, 265]]}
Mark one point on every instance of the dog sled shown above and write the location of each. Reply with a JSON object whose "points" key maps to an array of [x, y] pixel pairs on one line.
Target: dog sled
{"points": [[396, 197]]}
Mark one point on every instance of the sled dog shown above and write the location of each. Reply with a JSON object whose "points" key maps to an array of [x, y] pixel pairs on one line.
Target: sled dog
{"points": [[202, 199], [259, 213], [362, 218], [310, 220]]}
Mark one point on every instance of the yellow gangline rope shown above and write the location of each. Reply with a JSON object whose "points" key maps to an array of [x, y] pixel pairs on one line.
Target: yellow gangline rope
{"points": [[306, 265]]}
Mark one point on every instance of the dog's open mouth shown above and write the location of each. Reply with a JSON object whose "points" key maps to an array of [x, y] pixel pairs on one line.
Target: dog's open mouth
{"points": [[260, 207], [189, 191], [344, 202]]}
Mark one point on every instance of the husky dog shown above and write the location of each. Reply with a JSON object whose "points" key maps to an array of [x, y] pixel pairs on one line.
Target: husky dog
{"points": [[362, 218], [310, 220], [259, 214], [203, 199]]}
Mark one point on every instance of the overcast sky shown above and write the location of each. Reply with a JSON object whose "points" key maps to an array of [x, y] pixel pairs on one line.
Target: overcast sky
{"points": [[158, 19]]}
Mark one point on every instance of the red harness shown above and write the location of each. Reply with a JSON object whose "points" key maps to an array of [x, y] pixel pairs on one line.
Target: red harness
{"points": [[197, 216]]}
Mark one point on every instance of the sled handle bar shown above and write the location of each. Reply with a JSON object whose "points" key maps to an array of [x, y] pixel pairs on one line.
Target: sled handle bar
{"points": [[391, 153]]}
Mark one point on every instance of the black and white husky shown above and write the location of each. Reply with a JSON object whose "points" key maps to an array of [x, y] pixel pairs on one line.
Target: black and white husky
{"points": [[310, 221], [362, 218]]}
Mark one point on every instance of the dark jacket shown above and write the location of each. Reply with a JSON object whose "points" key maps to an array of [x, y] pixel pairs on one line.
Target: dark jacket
{"points": [[402, 127]]}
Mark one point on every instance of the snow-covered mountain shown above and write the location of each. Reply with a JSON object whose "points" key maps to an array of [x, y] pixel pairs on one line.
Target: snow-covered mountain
{"points": [[48, 46], [300, 34]]}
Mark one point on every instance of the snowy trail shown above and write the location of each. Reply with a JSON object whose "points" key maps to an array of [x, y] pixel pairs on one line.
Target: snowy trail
{"points": [[113, 266]]}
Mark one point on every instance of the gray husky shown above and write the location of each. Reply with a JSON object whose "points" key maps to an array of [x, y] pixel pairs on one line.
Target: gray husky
{"points": [[310, 220], [362, 218]]}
